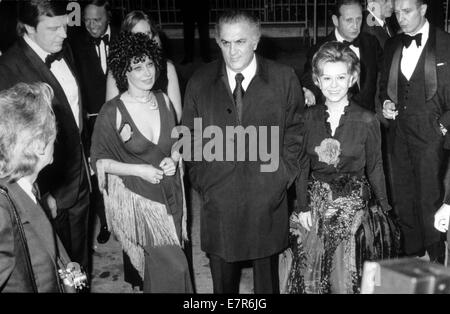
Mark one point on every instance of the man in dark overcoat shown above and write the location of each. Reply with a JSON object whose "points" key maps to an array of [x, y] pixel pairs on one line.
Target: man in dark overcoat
{"points": [[347, 20], [244, 216], [41, 55], [415, 94]]}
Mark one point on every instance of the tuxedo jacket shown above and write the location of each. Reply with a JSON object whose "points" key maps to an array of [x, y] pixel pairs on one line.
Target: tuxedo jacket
{"points": [[67, 176], [371, 58], [91, 76], [44, 246], [437, 74]]}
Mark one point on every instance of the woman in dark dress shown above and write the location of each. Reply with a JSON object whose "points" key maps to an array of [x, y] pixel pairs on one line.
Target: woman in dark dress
{"points": [[139, 22], [337, 225], [137, 169]]}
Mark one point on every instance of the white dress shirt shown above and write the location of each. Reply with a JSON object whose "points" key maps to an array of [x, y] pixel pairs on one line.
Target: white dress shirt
{"points": [[63, 75], [341, 39], [249, 73], [103, 50], [27, 187], [411, 55]]}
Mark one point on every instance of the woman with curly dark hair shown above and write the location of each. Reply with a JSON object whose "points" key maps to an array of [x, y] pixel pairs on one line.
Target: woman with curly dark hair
{"points": [[137, 169], [341, 220], [139, 22]]}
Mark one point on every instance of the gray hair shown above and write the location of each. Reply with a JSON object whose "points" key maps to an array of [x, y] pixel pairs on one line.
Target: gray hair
{"points": [[236, 16], [26, 119]]}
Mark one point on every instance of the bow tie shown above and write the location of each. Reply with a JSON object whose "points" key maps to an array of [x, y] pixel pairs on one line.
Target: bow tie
{"points": [[53, 57], [354, 43], [104, 38], [407, 40]]}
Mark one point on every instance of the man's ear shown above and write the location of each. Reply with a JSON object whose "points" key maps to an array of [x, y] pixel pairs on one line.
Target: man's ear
{"points": [[335, 20], [30, 29], [423, 9]]}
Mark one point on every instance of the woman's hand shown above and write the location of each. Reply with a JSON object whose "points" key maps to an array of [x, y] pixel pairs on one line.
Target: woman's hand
{"points": [[150, 174], [441, 218], [168, 166], [101, 174], [305, 220]]}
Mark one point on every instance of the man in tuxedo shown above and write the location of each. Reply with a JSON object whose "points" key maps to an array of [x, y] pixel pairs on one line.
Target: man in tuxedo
{"points": [[347, 20], [40, 54], [414, 91], [376, 20], [90, 46]]}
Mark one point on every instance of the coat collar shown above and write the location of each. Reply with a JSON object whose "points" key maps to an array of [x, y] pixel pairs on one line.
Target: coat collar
{"points": [[430, 68], [33, 214], [36, 63], [261, 70]]}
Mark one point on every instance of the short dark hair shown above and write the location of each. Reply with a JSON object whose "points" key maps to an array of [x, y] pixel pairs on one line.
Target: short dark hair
{"points": [[99, 3], [334, 51], [128, 47], [234, 16], [340, 3], [31, 10]]}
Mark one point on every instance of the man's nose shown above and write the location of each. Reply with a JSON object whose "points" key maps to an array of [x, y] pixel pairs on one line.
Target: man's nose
{"points": [[233, 49], [62, 32]]}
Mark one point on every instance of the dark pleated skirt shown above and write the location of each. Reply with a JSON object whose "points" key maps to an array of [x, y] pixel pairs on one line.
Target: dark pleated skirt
{"points": [[347, 231]]}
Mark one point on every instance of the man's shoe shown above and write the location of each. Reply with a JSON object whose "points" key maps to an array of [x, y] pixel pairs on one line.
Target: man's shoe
{"points": [[103, 235]]}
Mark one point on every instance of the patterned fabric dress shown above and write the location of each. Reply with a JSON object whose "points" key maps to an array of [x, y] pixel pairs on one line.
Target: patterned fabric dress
{"points": [[341, 183]]}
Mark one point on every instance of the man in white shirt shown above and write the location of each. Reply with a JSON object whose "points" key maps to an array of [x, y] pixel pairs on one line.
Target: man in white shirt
{"points": [[40, 54], [414, 91], [347, 19], [90, 45], [244, 214]]}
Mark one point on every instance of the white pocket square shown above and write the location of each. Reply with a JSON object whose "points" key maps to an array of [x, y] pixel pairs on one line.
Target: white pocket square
{"points": [[440, 64]]}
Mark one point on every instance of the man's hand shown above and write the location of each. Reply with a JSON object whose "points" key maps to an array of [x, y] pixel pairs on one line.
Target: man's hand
{"points": [[51, 203], [310, 99], [442, 217], [389, 111]]}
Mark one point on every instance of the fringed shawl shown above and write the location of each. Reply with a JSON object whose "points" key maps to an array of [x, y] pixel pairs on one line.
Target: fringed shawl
{"points": [[138, 212]]}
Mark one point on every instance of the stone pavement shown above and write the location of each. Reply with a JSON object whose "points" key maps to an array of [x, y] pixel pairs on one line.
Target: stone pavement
{"points": [[107, 276]]}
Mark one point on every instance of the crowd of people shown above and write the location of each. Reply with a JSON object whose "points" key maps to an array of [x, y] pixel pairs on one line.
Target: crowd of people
{"points": [[87, 124]]}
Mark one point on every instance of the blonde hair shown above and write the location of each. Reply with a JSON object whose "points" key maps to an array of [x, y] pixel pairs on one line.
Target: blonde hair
{"points": [[26, 119]]}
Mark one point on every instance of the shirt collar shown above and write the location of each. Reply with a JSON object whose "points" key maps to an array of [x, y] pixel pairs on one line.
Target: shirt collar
{"points": [[425, 31], [339, 38], [248, 73], [27, 187], [35, 47]]}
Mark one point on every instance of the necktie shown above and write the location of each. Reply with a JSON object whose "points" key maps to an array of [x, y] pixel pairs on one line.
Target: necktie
{"points": [[354, 43], [407, 40], [36, 192], [386, 29], [237, 94], [53, 57]]}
